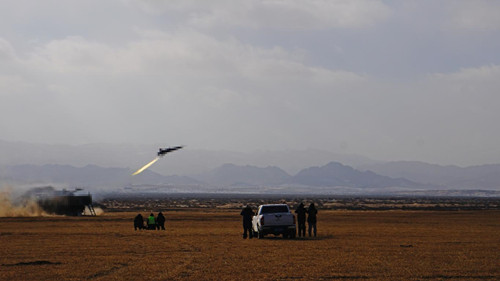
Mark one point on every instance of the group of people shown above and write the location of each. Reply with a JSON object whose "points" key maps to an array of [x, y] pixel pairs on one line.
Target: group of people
{"points": [[158, 222], [311, 212], [150, 223]]}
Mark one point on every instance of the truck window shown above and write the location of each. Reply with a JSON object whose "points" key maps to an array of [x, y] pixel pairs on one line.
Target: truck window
{"points": [[273, 209]]}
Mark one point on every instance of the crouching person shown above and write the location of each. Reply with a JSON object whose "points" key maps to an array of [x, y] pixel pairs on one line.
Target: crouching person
{"points": [[138, 222], [151, 222]]}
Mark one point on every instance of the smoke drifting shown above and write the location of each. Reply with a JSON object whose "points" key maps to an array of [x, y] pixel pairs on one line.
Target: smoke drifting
{"points": [[25, 208], [98, 211]]}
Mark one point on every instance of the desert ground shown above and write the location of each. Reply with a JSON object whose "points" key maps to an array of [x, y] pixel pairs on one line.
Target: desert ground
{"points": [[207, 244]]}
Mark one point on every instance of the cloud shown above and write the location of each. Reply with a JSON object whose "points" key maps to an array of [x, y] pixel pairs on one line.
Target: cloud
{"points": [[225, 93], [373, 75], [474, 15], [6, 50], [447, 117], [476, 74], [470, 94], [185, 76], [72, 54], [276, 14]]}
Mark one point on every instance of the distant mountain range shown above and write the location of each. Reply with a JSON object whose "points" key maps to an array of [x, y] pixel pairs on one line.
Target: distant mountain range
{"points": [[336, 174], [474, 177], [88, 176], [230, 175], [333, 174], [188, 161], [24, 164]]}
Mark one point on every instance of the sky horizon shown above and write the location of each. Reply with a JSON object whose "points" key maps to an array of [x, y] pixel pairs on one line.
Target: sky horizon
{"points": [[389, 80]]}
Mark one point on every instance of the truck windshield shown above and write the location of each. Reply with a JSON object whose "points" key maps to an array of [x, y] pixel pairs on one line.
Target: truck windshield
{"points": [[273, 209]]}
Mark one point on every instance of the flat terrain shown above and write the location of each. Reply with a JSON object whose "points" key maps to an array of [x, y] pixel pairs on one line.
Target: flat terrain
{"points": [[206, 244]]}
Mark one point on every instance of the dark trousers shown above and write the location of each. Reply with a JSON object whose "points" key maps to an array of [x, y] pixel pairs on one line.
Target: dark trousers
{"points": [[312, 226], [302, 229], [247, 228], [160, 225]]}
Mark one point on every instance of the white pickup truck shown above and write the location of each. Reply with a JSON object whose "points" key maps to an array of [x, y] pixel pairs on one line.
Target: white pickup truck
{"points": [[274, 219]]}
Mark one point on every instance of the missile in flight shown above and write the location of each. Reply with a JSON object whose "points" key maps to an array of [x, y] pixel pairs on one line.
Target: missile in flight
{"points": [[161, 153], [164, 151]]}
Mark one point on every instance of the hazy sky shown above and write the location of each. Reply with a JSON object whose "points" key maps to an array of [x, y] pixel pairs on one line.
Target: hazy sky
{"points": [[391, 80]]}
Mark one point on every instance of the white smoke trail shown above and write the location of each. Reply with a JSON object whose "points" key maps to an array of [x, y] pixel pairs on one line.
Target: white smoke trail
{"points": [[146, 166]]}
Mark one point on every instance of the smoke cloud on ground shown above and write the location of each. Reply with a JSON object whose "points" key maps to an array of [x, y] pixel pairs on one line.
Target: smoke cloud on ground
{"points": [[23, 208], [98, 211]]}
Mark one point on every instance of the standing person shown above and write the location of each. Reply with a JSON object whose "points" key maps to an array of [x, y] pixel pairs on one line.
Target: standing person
{"points": [[311, 218], [138, 222], [151, 222], [301, 219], [247, 214], [160, 220]]}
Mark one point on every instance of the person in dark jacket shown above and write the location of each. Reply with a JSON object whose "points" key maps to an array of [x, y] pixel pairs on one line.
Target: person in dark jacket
{"points": [[311, 218], [247, 214], [301, 219], [160, 221], [151, 222], [138, 222]]}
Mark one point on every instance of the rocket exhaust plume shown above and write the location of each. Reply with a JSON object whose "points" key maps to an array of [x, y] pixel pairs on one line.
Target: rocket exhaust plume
{"points": [[161, 153], [146, 166]]}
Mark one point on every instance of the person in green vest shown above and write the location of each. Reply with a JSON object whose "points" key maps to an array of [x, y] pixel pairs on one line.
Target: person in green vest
{"points": [[151, 222]]}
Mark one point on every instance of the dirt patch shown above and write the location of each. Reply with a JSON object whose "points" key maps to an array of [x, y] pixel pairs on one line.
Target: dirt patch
{"points": [[32, 263], [208, 245]]}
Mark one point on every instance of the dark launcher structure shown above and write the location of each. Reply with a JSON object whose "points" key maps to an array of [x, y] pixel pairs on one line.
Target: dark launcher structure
{"points": [[63, 202]]}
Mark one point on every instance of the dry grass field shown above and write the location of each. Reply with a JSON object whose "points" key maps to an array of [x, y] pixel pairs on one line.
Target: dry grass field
{"points": [[206, 244]]}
